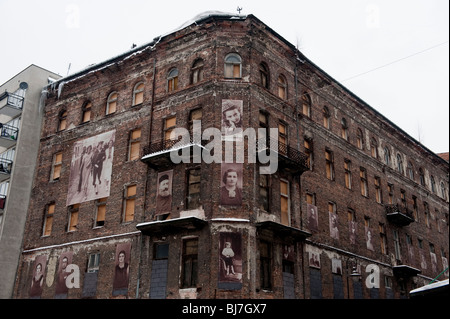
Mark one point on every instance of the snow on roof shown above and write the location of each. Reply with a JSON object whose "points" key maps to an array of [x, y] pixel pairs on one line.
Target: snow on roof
{"points": [[430, 286]]}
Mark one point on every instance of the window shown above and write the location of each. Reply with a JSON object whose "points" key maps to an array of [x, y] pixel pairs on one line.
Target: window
{"points": [[111, 104], [421, 177], [348, 173], [194, 115], [403, 197], [344, 129], [433, 184], [264, 75], [134, 145], [189, 263], [310, 199], [197, 71], [397, 250], [443, 191], [138, 94], [100, 213], [387, 156], [193, 188], [56, 167], [73, 217], [233, 66], [359, 139], [48, 219], [161, 251], [264, 123], [62, 120], [309, 152], [326, 117], [282, 138], [426, 214], [410, 170], [130, 198], [169, 126], [391, 194], [399, 164], [378, 196], [306, 104], [86, 112], [374, 148], [93, 262], [172, 80], [383, 239], [363, 182], [265, 258], [329, 163], [264, 192], [282, 87], [415, 209], [284, 202]]}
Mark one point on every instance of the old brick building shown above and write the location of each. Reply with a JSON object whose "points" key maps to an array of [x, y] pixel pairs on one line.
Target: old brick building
{"points": [[355, 209]]}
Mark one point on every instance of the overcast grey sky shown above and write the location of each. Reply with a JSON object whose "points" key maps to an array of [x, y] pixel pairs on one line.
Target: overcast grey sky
{"points": [[393, 54]]}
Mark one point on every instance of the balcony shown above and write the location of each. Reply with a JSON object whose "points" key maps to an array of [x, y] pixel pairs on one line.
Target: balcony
{"points": [[405, 271], [8, 135], [399, 215], [158, 155], [174, 225], [5, 169], [289, 159], [283, 230], [10, 104]]}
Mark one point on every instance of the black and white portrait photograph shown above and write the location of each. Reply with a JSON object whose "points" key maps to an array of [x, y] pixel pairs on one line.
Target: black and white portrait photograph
{"points": [[61, 289], [333, 219], [352, 227], [230, 258], [121, 269], [164, 193], [38, 277], [336, 266], [314, 259], [313, 218], [91, 167], [232, 111], [231, 184]]}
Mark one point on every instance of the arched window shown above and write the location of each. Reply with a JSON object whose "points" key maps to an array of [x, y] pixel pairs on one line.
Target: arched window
{"points": [[282, 87], [359, 139], [197, 71], [62, 120], [374, 148], [86, 112], [172, 80], [387, 156], [443, 191], [399, 164], [111, 104], [138, 94], [233, 63], [326, 117], [421, 177], [264, 75], [433, 184], [344, 129], [306, 104], [410, 170]]}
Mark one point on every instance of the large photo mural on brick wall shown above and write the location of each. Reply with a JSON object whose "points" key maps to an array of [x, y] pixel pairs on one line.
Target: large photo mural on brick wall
{"points": [[230, 261], [90, 170]]}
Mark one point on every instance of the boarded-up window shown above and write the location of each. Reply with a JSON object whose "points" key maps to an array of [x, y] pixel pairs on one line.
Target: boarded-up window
{"points": [[233, 66], [172, 80], [134, 145], [62, 121], [329, 163], [101, 212], [348, 174], [111, 105], [363, 182], [130, 198], [57, 164], [73, 217], [169, 126], [282, 87], [48, 219], [138, 94], [284, 202], [193, 191], [86, 112]]}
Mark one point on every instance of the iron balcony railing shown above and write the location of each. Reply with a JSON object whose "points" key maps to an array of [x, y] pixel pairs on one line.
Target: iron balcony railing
{"points": [[8, 131], [399, 214], [168, 145], [11, 99]]}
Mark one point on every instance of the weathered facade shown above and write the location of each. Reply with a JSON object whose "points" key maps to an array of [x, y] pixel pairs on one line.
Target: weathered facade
{"points": [[380, 198]]}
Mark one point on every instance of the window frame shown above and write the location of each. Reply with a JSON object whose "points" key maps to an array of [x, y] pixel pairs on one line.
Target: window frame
{"points": [[49, 214], [231, 66], [56, 166], [86, 112], [197, 71], [101, 202], [138, 92], [189, 264], [132, 143], [129, 199], [112, 100], [62, 121], [172, 80]]}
